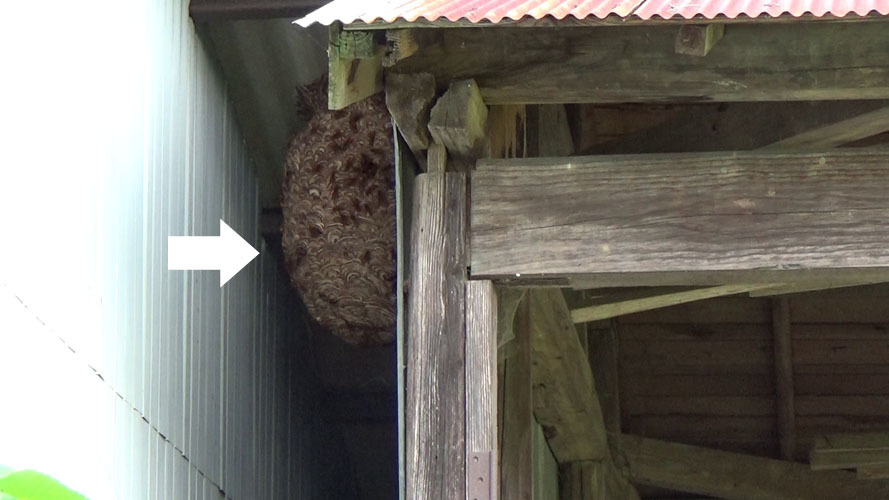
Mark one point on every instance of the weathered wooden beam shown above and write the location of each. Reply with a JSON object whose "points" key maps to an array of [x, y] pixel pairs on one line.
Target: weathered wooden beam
{"points": [[734, 476], [698, 40], [355, 68], [516, 469], [565, 401], [784, 378], [611, 310], [409, 99], [603, 354], [482, 460], [849, 451], [761, 62], [458, 121], [768, 218], [837, 133], [435, 434]]}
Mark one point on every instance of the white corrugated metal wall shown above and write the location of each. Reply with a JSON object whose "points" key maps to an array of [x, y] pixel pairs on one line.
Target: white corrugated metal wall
{"points": [[120, 378]]}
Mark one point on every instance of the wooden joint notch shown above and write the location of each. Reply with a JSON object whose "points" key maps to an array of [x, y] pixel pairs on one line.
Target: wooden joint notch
{"points": [[354, 66], [697, 40]]}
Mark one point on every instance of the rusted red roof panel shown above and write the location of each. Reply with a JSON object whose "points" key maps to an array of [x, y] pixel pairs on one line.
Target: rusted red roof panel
{"points": [[495, 11]]}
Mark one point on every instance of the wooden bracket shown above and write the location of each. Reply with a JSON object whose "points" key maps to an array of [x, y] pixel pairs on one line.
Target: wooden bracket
{"points": [[355, 66]]}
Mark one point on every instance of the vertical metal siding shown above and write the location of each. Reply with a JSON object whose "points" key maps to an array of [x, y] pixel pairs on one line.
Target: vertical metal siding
{"points": [[178, 389]]}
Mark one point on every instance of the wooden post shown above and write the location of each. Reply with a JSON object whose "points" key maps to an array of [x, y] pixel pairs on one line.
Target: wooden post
{"points": [[784, 378], [516, 469], [458, 121], [482, 470], [695, 40], [435, 409]]}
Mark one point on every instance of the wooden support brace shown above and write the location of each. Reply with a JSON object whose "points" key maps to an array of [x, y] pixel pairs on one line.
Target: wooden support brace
{"points": [[605, 311], [458, 121], [835, 134], [481, 391], [354, 66], [516, 468], [697, 40], [409, 98]]}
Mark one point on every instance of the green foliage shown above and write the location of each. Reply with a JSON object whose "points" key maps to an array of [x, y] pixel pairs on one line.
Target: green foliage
{"points": [[33, 485]]}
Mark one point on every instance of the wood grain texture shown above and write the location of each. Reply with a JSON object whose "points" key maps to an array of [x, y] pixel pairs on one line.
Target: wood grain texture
{"points": [[754, 63], [680, 214], [351, 78], [409, 99], [784, 392], [435, 406], [481, 373], [603, 352], [738, 477], [837, 133], [565, 401], [516, 466], [458, 120], [698, 40]]}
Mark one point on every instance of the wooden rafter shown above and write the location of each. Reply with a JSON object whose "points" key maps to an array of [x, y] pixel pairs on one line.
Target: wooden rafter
{"points": [[754, 62], [635, 220], [734, 476], [565, 401]]}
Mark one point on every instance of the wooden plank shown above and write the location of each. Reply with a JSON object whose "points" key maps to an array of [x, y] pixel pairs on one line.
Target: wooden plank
{"points": [[458, 121], [436, 158], [409, 100], [734, 476], [700, 127], [836, 134], [852, 406], [739, 406], [693, 331], [750, 212], [699, 357], [841, 352], [698, 40], [355, 68], [873, 472], [759, 62], [815, 309], [516, 469], [481, 378], [605, 311], [565, 403], [435, 406], [842, 384], [791, 276], [784, 378], [645, 384], [848, 459]]}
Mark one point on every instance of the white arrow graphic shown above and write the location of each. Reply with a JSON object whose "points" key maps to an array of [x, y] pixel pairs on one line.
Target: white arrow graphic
{"points": [[228, 253]]}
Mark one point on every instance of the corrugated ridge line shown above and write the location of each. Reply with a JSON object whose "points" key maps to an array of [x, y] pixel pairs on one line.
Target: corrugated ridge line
{"points": [[495, 11]]}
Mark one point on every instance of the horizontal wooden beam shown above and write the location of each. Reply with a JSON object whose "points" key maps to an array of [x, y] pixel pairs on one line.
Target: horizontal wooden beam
{"points": [[611, 310], [755, 62], [810, 286], [565, 401], [767, 218], [733, 476]]}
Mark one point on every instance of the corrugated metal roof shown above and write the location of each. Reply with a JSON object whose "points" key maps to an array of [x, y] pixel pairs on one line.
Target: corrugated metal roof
{"points": [[495, 11]]}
